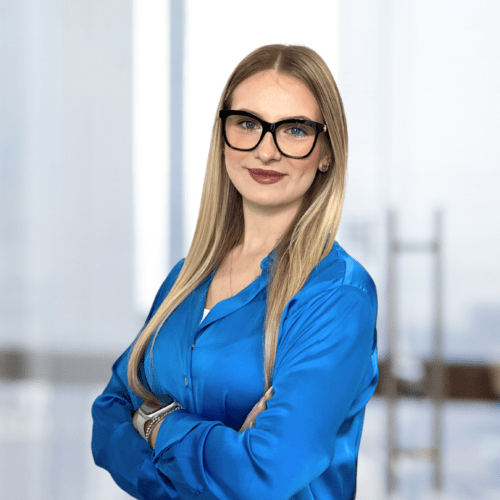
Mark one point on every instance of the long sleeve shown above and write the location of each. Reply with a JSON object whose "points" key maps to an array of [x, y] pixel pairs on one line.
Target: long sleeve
{"points": [[325, 373], [116, 445]]}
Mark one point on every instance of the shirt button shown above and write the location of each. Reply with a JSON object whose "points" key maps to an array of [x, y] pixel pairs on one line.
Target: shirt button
{"points": [[192, 347], [186, 381]]}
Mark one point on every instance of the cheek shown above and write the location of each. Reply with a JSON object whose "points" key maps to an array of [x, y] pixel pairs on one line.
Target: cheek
{"points": [[233, 161], [308, 168], [233, 158]]}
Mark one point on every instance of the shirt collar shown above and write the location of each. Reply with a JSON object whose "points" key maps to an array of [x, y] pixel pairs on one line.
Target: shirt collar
{"points": [[268, 260]]}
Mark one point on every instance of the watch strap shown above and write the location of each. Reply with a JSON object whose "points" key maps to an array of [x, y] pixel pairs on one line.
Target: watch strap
{"points": [[143, 417]]}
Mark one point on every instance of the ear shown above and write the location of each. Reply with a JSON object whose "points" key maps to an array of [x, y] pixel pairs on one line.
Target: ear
{"points": [[326, 156], [324, 162]]}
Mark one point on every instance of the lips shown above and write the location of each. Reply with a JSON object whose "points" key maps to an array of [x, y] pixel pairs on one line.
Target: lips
{"points": [[265, 173], [265, 176]]}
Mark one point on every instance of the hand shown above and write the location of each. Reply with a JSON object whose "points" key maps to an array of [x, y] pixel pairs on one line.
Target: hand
{"points": [[134, 418], [259, 407], [154, 433]]}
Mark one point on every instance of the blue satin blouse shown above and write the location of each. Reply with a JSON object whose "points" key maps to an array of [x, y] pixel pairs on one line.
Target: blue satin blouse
{"points": [[303, 446]]}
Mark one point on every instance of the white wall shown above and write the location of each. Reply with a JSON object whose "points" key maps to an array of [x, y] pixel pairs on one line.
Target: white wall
{"points": [[419, 81], [218, 35], [66, 176]]}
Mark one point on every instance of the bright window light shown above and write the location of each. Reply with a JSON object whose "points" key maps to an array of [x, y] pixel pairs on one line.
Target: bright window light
{"points": [[150, 146]]}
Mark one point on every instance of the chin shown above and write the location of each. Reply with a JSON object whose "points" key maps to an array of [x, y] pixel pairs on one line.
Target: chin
{"points": [[270, 202]]}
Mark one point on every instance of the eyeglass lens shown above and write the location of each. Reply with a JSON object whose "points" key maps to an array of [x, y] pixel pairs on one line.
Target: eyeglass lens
{"points": [[293, 139]]}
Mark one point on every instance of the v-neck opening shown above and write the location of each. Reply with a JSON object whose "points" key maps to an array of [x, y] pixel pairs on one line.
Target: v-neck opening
{"points": [[230, 304]]}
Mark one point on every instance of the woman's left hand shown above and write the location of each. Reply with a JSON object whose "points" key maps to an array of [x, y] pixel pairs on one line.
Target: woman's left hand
{"points": [[259, 407]]}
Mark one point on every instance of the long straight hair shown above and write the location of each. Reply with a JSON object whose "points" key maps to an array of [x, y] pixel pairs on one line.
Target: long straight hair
{"points": [[220, 225]]}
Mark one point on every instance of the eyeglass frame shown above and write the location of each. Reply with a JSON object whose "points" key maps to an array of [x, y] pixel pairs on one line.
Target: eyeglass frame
{"points": [[271, 127]]}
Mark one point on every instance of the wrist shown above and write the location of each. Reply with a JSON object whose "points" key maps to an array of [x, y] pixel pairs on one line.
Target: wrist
{"points": [[151, 425], [154, 434], [156, 427], [147, 418]]}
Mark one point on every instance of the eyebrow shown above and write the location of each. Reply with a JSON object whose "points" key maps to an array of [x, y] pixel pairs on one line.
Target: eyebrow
{"points": [[299, 117]]}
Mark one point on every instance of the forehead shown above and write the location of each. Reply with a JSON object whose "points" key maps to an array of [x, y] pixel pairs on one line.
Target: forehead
{"points": [[275, 96]]}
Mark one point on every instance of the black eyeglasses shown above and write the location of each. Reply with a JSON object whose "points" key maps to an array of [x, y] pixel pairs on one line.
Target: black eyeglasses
{"points": [[294, 138]]}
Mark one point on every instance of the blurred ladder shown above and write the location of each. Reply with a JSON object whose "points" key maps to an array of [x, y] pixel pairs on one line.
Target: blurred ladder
{"points": [[395, 452]]}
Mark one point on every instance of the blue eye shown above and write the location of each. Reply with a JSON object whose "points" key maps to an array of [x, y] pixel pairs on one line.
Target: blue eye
{"points": [[248, 125], [297, 131]]}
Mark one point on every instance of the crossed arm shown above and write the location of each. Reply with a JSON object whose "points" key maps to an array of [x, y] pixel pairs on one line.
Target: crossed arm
{"points": [[249, 422], [325, 372]]}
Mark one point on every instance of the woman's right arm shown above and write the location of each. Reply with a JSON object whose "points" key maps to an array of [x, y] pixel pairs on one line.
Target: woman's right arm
{"points": [[116, 445]]}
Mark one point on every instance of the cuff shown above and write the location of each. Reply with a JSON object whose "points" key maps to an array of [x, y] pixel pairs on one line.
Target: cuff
{"points": [[173, 429], [178, 452]]}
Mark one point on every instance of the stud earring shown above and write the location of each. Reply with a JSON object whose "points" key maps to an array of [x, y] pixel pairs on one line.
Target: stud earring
{"points": [[324, 167]]}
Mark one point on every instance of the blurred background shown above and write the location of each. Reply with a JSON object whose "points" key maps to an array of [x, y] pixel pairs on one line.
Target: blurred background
{"points": [[106, 110]]}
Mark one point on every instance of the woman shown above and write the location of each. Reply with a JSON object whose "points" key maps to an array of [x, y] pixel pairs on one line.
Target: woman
{"points": [[263, 268]]}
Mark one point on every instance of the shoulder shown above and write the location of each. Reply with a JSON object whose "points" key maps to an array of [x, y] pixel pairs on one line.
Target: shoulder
{"points": [[338, 300], [338, 289], [338, 273], [165, 288], [172, 276], [336, 310]]}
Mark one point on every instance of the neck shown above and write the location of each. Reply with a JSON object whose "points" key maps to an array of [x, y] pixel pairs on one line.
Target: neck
{"points": [[264, 227]]}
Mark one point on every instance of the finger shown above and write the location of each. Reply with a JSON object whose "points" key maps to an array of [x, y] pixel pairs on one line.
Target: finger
{"points": [[258, 408], [267, 396], [246, 425], [250, 419], [269, 393]]}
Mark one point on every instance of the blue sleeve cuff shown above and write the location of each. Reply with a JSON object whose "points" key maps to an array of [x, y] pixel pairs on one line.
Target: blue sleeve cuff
{"points": [[174, 428], [176, 461]]}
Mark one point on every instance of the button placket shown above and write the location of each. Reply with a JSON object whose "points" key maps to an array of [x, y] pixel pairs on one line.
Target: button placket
{"points": [[190, 355]]}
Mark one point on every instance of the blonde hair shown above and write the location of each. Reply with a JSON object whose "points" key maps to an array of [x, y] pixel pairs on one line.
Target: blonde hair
{"points": [[220, 225]]}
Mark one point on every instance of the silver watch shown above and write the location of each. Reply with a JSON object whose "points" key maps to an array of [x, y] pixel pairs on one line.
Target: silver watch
{"points": [[147, 413]]}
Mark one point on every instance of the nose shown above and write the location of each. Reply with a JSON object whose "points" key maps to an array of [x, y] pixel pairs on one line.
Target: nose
{"points": [[267, 149]]}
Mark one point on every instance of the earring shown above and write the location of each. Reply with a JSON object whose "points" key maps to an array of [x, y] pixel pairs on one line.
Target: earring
{"points": [[324, 167]]}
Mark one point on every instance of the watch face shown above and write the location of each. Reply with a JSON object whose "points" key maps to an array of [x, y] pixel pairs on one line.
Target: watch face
{"points": [[166, 399], [148, 409]]}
